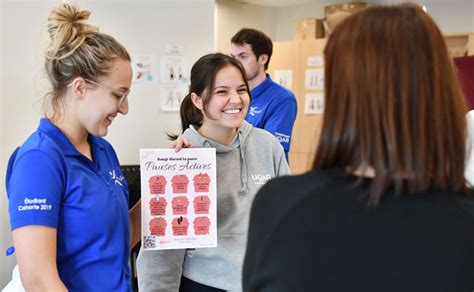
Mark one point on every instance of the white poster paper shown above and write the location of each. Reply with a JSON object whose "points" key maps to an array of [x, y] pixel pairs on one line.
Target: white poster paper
{"points": [[174, 49], [143, 68], [179, 199], [284, 78], [171, 96], [314, 104], [314, 79], [174, 69], [315, 61]]}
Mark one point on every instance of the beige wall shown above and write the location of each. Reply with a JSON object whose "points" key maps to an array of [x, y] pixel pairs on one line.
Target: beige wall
{"points": [[231, 17], [452, 16]]}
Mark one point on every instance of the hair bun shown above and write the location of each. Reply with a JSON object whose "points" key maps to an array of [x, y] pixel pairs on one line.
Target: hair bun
{"points": [[67, 30]]}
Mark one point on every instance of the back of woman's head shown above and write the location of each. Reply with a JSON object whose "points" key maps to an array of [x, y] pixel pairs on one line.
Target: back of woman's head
{"points": [[393, 102], [203, 76], [76, 49]]}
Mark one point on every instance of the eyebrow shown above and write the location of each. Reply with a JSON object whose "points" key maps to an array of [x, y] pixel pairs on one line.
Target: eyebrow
{"points": [[123, 88], [227, 87]]}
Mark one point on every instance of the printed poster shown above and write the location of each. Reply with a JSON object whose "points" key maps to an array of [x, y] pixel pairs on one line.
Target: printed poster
{"points": [[314, 104], [178, 198], [284, 78], [171, 97], [315, 61], [143, 67], [174, 69], [314, 79]]}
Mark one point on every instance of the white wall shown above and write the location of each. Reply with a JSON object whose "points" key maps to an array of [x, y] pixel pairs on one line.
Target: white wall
{"points": [[143, 26], [231, 17]]}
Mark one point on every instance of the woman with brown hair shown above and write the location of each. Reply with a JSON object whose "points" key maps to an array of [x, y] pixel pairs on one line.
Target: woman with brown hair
{"points": [[386, 207]]}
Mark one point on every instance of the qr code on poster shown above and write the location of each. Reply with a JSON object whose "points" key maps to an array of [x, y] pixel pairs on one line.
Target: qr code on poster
{"points": [[149, 242]]}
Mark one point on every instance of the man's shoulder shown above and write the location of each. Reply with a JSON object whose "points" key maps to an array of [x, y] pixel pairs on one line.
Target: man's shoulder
{"points": [[280, 92]]}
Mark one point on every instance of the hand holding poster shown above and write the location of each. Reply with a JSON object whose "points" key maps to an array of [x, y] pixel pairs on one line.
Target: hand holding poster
{"points": [[178, 198]]}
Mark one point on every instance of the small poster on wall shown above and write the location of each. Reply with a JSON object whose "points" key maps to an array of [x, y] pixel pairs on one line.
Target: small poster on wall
{"points": [[171, 96], [314, 104], [315, 61], [174, 69], [143, 68], [284, 78], [314, 79], [179, 199]]}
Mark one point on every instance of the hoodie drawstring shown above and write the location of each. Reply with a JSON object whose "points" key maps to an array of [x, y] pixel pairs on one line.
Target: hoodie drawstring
{"points": [[244, 190]]}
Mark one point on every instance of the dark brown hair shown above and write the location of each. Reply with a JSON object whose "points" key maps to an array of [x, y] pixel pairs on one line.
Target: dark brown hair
{"points": [[393, 102], [203, 76], [258, 41]]}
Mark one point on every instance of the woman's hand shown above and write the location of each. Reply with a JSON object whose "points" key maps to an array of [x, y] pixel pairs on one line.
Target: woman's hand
{"points": [[180, 143]]}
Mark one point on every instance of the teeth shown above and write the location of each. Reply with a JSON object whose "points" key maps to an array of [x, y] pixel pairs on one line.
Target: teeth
{"points": [[232, 111], [110, 118]]}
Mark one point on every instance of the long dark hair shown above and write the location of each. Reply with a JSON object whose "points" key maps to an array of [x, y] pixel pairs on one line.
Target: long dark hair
{"points": [[393, 102], [203, 76]]}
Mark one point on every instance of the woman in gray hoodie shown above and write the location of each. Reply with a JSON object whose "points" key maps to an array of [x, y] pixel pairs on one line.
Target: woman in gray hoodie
{"points": [[212, 116]]}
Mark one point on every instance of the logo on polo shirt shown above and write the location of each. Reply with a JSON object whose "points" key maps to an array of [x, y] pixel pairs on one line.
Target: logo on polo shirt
{"points": [[117, 179], [254, 111], [282, 138]]}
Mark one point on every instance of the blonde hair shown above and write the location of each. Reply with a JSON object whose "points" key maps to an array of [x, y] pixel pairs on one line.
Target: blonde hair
{"points": [[76, 49]]}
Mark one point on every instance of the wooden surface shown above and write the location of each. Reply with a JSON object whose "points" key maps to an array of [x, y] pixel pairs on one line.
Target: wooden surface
{"points": [[294, 56]]}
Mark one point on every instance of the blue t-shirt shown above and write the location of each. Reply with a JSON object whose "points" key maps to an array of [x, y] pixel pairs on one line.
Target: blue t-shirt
{"points": [[273, 108], [50, 183]]}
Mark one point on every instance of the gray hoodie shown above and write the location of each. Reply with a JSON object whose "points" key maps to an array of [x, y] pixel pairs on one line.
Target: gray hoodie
{"points": [[243, 167]]}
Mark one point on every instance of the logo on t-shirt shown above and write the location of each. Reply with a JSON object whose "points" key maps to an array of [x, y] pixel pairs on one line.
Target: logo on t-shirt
{"points": [[117, 179], [254, 111]]}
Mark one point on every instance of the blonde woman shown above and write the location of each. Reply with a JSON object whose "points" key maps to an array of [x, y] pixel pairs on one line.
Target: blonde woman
{"points": [[68, 200]]}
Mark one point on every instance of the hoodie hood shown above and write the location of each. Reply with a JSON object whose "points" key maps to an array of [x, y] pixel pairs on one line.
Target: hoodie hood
{"points": [[237, 144]]}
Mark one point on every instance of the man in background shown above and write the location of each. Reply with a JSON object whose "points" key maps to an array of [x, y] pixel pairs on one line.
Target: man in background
{"points": [[272, 107]]}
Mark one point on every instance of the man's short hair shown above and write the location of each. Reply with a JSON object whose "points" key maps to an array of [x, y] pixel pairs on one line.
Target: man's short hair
{"points": [[258, 41]]}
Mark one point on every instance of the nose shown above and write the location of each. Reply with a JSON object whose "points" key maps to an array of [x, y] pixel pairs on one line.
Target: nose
{"points": [[123, 107], [235, 97]]}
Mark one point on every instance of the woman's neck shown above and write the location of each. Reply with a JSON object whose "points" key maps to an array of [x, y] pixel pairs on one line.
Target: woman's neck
{"points": [[221, 135], [76, 134]]}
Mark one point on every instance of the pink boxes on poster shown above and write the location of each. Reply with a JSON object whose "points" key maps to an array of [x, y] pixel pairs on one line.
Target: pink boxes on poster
{"points": [[157, 184], [201, 225], [157, 226], [180, 226], [180, 184], [180, 205], [158, 206], [201, 204], [201, 183]]}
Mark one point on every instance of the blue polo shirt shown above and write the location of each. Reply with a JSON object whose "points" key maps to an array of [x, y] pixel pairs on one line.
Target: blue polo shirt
{"points": [[273, 108], [50, 183]]}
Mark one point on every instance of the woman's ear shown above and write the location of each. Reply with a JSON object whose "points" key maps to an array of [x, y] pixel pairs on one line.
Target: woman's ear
{"points": [[78, 87], [197, 101]]}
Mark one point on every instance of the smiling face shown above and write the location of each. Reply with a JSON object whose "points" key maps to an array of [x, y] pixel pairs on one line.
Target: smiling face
{"points": [[228, 104], [102, 100]]}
